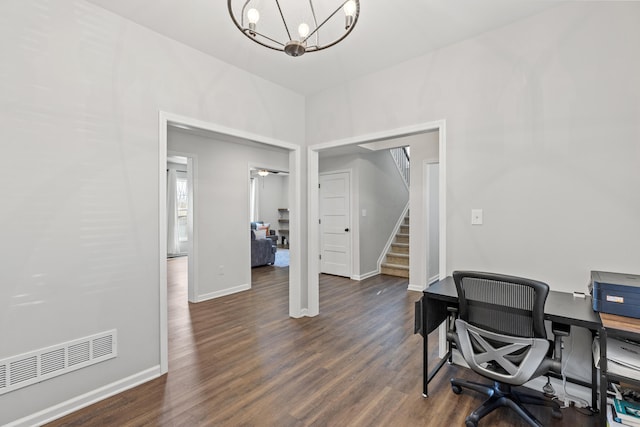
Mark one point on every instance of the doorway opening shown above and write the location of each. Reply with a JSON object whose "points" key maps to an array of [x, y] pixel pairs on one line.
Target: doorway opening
{"points": [[178, 188], [429, 136], [181, 169], [167, 121], [269, 216]]}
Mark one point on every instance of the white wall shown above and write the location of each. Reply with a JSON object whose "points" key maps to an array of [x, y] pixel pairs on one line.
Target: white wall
{"points": [[383, 195], [81, 90], [543, 124], [221, 208]]}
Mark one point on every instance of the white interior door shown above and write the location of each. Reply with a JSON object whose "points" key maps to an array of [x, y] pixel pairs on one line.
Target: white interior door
{"points": [[335, 238]]}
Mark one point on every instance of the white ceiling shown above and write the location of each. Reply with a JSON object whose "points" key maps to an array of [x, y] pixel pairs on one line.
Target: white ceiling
{"points": [[387, 32]]}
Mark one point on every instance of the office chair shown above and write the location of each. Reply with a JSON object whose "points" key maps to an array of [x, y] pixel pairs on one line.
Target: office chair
{"points": [[501, 335]]}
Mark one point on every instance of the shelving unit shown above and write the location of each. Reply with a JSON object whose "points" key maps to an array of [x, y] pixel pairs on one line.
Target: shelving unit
{"points": [[615, 327], [283, 227]]}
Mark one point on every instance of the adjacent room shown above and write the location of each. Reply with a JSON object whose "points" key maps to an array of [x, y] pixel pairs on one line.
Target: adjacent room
{"points": [[334, 212]]}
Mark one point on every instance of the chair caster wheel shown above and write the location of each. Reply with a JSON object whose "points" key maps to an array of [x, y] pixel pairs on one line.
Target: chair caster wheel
{"points": [[470, 423], [556, 413], [456, 389]]}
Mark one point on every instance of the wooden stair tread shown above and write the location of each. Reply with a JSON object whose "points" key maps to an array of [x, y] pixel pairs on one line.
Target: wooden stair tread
{"points": [[396, 266], [398, 254]]}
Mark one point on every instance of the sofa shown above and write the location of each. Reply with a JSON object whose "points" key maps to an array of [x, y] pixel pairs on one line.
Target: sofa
{"points": [[270, 234], [263, 251]]}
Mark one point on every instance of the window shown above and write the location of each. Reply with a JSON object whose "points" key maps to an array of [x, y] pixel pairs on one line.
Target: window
{"points": [[182, 205], [252, 199]]}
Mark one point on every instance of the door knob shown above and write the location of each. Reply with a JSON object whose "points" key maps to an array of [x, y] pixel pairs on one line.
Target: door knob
{"points": [[346, 229]]}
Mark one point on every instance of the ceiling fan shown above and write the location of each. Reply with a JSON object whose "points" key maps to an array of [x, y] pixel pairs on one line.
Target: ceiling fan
{"points": [[264, 172]]}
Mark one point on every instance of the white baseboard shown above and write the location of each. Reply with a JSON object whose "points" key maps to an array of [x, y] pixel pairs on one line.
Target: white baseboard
{"points": [[417, 288], [222, 293], [304, 312], [420, 288], [84, 400], [365, 276]]}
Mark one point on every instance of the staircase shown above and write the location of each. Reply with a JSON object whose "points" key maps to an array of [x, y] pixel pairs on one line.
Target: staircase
{"points": [[397, 257]]}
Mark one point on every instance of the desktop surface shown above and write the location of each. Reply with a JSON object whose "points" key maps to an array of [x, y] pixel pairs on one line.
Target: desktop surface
{"points": [[560, 306]]}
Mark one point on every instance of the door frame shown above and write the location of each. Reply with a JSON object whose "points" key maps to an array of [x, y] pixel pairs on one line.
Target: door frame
{"points": [[353, 230], [427, 218], [313, 277], [166, 119]]}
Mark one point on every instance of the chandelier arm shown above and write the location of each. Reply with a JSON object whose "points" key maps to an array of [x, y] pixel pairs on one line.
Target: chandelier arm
{"points": [[355, 20], [246, 30], [283, 20], [242, 13], [315, 21], [323, 22]]}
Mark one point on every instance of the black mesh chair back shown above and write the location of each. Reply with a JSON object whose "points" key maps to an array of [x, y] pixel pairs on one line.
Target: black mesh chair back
{"points": [[504, 304]]}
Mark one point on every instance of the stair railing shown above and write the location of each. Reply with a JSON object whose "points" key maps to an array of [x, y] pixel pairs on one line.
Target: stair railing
{"points": [[401, 159]]}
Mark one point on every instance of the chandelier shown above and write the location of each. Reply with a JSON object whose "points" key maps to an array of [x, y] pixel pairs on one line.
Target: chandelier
{"points": [[317, 26]]}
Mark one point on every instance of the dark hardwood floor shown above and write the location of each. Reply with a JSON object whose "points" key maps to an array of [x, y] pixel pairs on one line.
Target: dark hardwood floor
{"points": [[241, 361]]}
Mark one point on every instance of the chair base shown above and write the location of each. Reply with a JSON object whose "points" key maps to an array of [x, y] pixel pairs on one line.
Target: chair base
{"points": [[501, 394]]}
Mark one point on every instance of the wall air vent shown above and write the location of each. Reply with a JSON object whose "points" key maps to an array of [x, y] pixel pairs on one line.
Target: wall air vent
{"points": [[39, 365], [3, 377], [23, 370]]}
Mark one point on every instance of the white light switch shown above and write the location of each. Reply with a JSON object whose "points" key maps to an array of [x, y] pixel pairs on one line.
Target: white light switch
{"points": [[364, 212], [476, 216]]}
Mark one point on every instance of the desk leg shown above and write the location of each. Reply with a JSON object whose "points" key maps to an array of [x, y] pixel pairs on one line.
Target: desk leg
{"points": [[594, 378], [434, 312], [604, 382], [425, 373], [425, 350], [428, 376]]}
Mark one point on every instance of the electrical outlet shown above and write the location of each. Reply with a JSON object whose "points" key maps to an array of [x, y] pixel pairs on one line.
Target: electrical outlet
{"points": [[221, 270]]}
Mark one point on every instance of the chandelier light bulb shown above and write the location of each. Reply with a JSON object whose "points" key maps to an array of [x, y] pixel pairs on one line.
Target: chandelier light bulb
{"points": [[303, 30], [349, 12], [350, 8], [253, 16]]}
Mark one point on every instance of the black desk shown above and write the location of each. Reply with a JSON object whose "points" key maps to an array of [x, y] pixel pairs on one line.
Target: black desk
{"points": [[560, 307]]}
